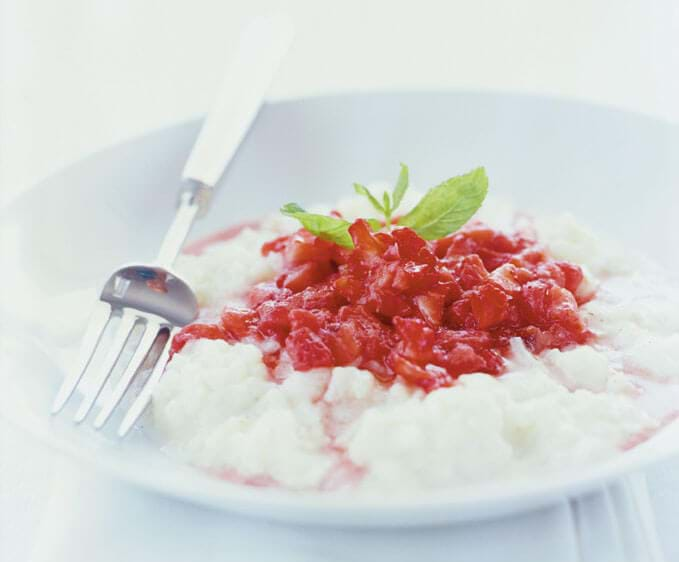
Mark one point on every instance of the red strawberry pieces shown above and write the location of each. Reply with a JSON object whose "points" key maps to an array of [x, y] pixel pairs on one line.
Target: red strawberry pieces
{"points": [[401, 306]]}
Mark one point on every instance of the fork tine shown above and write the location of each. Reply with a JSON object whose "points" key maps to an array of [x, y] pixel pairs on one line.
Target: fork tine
{"points": [[127, 322], [144, 397], [151, 330], [95, 329]]}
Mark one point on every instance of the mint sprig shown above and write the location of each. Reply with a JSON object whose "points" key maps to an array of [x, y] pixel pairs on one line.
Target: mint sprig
{"points": [[441, 211], [391, 202]]}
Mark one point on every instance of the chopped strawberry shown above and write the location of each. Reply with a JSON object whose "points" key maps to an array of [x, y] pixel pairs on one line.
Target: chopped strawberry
{"points": [[307, 350], [409, 370], [410, 245], [417, 339], [274, 319], [196, 332], [238, 323], [573, 275], [469, 271], [364, 240], [308, 248], [489, 304], [403, 307], [304, 275], [430, 306], [345, 344]]}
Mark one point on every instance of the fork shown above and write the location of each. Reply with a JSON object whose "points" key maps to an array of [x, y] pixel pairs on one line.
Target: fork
{"points": [[151, 299]]}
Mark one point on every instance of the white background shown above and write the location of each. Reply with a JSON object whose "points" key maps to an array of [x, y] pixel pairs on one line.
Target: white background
{"points": [[80, 74], [77, 75]]}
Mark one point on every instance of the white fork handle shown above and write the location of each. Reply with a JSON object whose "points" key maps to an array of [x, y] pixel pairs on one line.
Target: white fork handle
{"points": [[260, 50], [261, 47]]}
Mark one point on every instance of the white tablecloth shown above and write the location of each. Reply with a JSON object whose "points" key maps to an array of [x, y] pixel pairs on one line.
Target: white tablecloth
{"points": [[77, 75]]}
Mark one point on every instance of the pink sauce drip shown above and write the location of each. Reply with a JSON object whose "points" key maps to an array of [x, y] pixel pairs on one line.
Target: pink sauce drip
{"points": [[198, 247], [646, 434]]}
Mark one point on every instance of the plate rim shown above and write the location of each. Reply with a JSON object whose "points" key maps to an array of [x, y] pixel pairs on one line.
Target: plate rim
{"points": [[305, 506]]}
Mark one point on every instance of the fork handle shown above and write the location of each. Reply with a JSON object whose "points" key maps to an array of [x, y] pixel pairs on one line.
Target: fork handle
{"points": [[260, 49], [186, 214]]}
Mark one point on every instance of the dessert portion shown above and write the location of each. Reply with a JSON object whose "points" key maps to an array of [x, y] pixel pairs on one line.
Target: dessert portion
{"points": [[393, 344]]}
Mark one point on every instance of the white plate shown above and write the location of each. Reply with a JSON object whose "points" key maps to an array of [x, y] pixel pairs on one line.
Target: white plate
{"points": [[615, 170]]}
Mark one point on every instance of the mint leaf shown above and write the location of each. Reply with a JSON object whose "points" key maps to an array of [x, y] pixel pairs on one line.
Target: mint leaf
{"points": [[387, 209], [448, 206], [401, 187], [386, 203], [363, 190], [329, 228]]}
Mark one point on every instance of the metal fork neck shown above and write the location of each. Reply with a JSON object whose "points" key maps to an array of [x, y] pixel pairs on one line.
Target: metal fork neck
{"points": [[196, 193], [194, 198]]}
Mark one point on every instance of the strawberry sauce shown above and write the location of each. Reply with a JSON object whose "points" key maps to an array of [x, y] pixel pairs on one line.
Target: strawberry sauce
{"points": [[401, 306], [198, 247]]}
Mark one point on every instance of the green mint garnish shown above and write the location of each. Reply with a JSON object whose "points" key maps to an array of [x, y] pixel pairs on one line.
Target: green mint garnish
{"points": [[329, 228], [363, 190], [448, 206], [442, 210], [401, 186], [389, 202]]}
